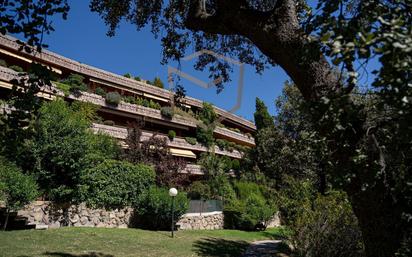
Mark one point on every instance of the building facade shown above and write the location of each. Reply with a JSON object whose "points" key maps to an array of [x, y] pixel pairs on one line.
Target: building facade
{"points": [[139, 101]]}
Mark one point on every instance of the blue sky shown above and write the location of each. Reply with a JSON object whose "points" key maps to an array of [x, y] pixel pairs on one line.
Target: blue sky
{"points": [[83, 37]]}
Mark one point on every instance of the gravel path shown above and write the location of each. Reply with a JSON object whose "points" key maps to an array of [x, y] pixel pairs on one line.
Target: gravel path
{"points": [[264, 248]]}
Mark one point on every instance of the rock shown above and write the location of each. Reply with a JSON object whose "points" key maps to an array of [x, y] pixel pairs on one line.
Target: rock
{"points": [[75, 219], [95, 220], [38, 216], [84, 220], [122, 226], [101, 225], [54, 224]]}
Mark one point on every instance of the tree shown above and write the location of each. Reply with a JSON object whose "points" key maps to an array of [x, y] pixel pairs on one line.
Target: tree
{"points": [[157, 82], [288, 33], [262, 116], [16, 189], [155, 151], [63, 146]]}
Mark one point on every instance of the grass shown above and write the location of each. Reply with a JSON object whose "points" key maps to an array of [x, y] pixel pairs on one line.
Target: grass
{"points": [[105, 242]]}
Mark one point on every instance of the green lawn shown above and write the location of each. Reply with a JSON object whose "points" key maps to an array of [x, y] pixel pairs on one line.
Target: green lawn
{"points": [[105, 242]]}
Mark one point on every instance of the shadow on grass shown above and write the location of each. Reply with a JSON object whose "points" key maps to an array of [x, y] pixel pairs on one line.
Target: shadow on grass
{"points": [[91, 254], [216, 247]]}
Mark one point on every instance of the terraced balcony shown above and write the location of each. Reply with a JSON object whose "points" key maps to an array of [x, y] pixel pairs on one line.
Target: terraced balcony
{"points": [[59, 62], [7, 75], [121, 133]]}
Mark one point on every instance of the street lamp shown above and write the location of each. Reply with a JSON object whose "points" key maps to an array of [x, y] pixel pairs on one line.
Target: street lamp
{"points": [[173, 193]]}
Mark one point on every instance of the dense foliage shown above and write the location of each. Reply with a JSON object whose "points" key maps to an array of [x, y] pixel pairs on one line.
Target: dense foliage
{"points": [[75, 83], [113, 98], [167, 112], [153, 209], [16, 188], [328, 228], [250, 209], [62, 146], [155, 151], [115, 184]]}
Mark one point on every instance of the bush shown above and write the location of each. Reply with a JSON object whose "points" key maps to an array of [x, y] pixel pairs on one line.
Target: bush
{"points": [[294, 198], [109, 123], [167, 112], [127, 75], [157, 82], [113, 98], [191, 140], [328, 229], [63, 87], [221, 143], [16, 188], [207, 115], [115, 184], [100, 91], [199, 190], [16, 68], [235, 164], [3, 63], [248, 214], [204, 135], [129, 99], [171, 134], [75, 81], [153, 209], [137, 78]]}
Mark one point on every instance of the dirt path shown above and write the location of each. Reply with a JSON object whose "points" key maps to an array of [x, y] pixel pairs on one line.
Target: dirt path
{"points": [[264, 248]]}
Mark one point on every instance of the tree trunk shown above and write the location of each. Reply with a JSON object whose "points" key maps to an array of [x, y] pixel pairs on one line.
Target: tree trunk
{"points": [[7, 219], [380, 220]]}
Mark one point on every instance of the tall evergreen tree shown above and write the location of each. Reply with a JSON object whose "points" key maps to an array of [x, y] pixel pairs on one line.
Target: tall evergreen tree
{"points": [[262, 116]]}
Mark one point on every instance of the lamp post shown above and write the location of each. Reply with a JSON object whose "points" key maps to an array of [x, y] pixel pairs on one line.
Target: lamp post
{"points": [[173, 193]]}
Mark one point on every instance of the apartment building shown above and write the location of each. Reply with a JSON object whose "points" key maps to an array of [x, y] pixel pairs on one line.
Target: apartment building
{"points": [[139, 101]]}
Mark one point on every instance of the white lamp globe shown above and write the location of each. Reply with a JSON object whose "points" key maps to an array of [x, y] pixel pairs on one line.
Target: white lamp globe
{"points": [[172, 191]]}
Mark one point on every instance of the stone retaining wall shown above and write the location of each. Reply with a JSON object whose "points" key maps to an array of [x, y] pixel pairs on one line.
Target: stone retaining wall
{"points": [[44, 213], [48, 215], [208, 220]]}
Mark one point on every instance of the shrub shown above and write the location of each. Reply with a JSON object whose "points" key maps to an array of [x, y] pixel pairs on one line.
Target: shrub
{"points": [[137, 78], [235, 164], [207, 115], [63, 87], [3, 63], [109, 123], [127, 75], [100, 91], [171, 134], [167, 112], [199, 190], [328, 229], [157, 82], [16, 188], [294, 198], [204, 135], [152, 104], [248, 214], [16, 68], [191, 140], [75, 81], [153, 208], [129, 99], [115, 184], [113, 98], [221, 143]]}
